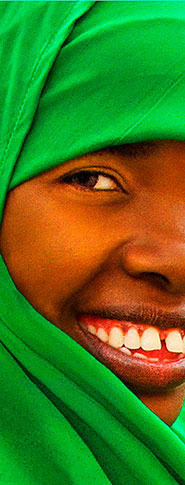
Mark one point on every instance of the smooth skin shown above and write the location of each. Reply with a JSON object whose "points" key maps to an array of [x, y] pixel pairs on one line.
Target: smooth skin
{"points": [[120, 236]]}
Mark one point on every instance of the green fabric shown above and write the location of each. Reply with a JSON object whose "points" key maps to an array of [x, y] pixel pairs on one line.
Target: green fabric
{"points": [[76, 77]]}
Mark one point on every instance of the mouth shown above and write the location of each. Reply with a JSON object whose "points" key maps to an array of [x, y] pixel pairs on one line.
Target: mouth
{"points": [[145, 357]]}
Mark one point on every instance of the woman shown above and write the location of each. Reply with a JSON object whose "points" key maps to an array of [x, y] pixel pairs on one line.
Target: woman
{"points": [[92, 242]]}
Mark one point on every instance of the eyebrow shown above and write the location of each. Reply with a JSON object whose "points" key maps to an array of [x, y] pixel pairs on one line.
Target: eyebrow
{"points": [[134, 150]]}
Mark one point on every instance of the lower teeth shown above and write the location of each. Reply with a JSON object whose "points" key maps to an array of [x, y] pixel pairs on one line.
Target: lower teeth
{"points": [[140, 356], [163, 355], [125, 351], [137, 355]]}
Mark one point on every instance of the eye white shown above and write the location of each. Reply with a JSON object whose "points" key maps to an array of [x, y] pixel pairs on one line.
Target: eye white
{"points": [[104, 183]]}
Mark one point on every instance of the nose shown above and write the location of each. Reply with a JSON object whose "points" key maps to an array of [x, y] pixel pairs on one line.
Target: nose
{"points": [[158, 259]]}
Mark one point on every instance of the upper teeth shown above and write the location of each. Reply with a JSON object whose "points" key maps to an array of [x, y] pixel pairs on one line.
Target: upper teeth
{"points": [[150, 339], [174, 342], [116, 337], [92, 329], [102, 334], [183, 345], [132, 339]]}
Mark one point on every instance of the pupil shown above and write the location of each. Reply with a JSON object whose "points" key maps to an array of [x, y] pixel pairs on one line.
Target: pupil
{"points": [[86, 178]]}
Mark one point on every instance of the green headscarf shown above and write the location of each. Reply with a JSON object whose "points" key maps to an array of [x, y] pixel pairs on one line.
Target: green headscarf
{"points": [[77, 77]]}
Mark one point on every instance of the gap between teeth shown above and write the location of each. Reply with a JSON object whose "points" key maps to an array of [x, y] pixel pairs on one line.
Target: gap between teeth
{"points": [[150, 339]]}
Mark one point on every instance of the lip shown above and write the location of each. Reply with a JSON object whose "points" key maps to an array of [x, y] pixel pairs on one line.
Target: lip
{"points": [[150, 315], [138, 374]]}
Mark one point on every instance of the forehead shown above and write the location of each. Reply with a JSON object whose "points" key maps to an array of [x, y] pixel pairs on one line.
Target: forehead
{"points": [[134, 150], [164, 156], [148, 149]]}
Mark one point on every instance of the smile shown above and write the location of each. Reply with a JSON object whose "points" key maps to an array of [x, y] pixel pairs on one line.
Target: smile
{"points": [[142, 356], [128, 337]]}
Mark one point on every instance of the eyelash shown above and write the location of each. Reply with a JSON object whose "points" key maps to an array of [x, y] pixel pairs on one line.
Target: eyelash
{"points": [[94, 175]]}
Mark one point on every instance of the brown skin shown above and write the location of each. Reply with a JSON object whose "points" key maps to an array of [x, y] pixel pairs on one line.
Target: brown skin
{"points": [[66, 246]]}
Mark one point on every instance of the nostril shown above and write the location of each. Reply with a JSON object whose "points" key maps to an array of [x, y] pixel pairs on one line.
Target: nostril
{"points": [[157, 278]]}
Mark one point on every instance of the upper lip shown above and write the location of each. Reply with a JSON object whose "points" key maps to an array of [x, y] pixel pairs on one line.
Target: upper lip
{"points": [[145, 314]]}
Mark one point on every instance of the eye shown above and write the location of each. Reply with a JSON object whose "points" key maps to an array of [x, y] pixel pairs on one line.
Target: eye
{"points": [[92, 180]]}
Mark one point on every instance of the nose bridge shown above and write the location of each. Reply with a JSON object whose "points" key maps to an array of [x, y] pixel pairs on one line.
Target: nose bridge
{"points": [[157, 247]]}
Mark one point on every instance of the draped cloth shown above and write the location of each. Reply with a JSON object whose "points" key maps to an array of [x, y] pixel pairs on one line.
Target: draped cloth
{"points": [[77, 77]]}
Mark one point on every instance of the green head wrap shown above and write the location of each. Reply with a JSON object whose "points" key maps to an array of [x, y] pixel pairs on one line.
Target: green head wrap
{"points": [[77, 77]]}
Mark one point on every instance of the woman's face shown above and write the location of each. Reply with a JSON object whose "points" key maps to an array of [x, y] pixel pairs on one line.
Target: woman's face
{"points": [[97, 246]]}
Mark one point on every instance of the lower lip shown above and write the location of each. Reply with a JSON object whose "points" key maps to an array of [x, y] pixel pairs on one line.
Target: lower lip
{"points": [[136, 373]]}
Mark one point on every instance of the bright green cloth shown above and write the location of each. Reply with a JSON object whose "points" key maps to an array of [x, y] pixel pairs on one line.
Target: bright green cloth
{"points": [[76, 77]]}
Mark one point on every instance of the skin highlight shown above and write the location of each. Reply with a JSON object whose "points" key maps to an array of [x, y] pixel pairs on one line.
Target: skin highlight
{"points": [[67, 246]]}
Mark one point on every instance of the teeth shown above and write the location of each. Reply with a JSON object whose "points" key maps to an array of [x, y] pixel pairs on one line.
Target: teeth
{"points": [[150, 339], [92, 329], [125, 351], [183, 345], [140, 356], [132, 340], [174, 341], [102, 335], [116, 337]]}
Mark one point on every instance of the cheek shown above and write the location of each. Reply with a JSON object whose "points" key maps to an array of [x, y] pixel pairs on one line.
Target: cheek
{"points": [[51, 250]]}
